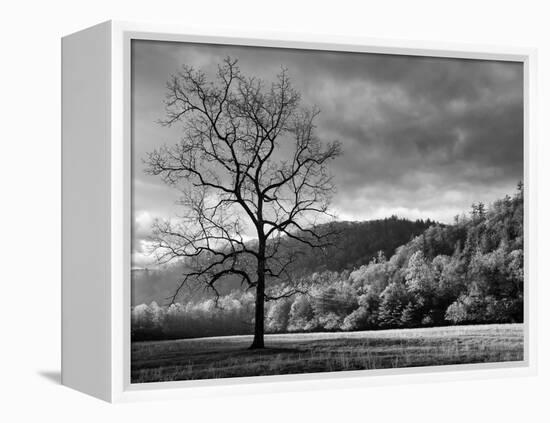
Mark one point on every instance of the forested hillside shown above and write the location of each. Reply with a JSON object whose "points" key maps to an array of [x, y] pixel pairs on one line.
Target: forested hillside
{"points": [[354, 243], [467, 272]]}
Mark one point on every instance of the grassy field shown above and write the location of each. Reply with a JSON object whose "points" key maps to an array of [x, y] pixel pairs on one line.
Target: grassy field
{"points": [[223, 357]]}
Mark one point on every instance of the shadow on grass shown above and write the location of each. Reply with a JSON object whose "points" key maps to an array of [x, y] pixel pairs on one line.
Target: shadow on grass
{"points": [[205, 358]]}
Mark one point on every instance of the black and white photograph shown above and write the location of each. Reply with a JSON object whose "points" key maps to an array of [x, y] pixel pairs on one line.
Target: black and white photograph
{"points": [[291, 211], [312, 211]]}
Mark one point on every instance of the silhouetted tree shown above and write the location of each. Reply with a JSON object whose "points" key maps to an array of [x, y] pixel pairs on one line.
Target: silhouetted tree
{"points": [[249, 161]]}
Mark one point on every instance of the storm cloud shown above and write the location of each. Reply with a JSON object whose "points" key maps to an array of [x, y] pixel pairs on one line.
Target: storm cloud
{"points": [[422, 137]]}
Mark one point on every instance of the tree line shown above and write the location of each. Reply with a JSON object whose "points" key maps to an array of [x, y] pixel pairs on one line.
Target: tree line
{"points": [[467, 272]]}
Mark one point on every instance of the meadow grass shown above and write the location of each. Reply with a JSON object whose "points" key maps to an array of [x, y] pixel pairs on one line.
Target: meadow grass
{"points": [[223, 357]]}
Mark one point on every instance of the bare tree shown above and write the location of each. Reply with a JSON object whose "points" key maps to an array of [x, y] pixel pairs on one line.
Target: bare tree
{"points": [[249, 162]]}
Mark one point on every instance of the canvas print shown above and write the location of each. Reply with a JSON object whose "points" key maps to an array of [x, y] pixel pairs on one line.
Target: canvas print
{"points": [[305, 211]]}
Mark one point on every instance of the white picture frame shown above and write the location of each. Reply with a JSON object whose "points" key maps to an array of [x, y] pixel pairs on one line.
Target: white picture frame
{"points": [[96, 161]]}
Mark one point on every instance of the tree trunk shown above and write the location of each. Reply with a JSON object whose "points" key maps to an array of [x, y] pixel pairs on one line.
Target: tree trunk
{"points": [[259, 316], [258, 341]]}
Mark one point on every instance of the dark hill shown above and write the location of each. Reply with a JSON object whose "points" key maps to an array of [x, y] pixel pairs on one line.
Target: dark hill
{"points": [[357, 243]]}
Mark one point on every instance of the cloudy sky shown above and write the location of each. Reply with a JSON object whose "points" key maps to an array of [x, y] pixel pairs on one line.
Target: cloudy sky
{"points": [[422, 137]]}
